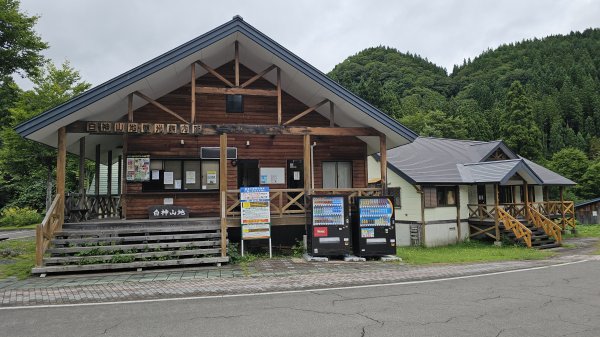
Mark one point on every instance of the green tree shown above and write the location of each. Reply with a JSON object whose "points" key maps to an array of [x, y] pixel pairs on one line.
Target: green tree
{"points": [[590, 182], [570, 162], [27, 167], [20, 49], [518, 129]]}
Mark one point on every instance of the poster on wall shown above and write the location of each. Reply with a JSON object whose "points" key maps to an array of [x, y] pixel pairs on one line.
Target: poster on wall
{"points": [[272, 175], [211, 177], [256, 213], [138, 168]]}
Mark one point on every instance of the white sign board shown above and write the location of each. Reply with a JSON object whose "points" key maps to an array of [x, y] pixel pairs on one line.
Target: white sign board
{"points": [[272, 175]]}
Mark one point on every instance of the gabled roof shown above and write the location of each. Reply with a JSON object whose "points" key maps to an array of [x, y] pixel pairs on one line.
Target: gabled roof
{"points": [[586, 202], [430, 160], [169, 71]]}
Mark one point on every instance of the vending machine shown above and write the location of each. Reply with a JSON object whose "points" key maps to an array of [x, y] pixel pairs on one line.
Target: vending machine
{"points": [[373, 230], [329, 228]]}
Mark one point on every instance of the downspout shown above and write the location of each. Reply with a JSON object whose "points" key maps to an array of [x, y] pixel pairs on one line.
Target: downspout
{"points": [[420, 191]]}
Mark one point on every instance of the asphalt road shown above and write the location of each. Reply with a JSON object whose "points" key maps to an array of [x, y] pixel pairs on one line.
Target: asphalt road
{"points": [[556, 301]]}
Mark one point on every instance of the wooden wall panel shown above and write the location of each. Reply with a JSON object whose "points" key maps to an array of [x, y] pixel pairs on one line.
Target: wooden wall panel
{"points": [[270, 151]]}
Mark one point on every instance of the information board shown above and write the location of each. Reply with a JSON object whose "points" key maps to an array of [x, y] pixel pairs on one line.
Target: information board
{"points": [[375, 212], [256, 213], [138, 168]]}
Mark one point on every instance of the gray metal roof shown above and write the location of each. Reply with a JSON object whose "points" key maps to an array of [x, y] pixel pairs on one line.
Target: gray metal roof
{"points": [[430, 160], [167, 72], [586, 202]]}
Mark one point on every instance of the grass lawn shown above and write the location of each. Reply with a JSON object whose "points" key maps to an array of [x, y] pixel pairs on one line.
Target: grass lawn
{"points": [[10, 228], [585, 231], [472, 251], [21, 254]]}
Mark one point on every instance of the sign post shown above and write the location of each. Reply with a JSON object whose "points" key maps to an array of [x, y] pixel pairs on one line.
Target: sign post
{"points": [[256, 215]]}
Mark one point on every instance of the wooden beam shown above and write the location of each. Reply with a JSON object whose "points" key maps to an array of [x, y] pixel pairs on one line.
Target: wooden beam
{"points": [[61, 168], [307, 165], [216, 129], [97, 172], [458, 229], [130, 107], [193, 82], [526, 193], [331, 115], [82, 165], [305, 112], [215, 73], [160, 106], [223, 189], [259, 75], [237, 64], [279, 97], [383, 163], [236, 91]]}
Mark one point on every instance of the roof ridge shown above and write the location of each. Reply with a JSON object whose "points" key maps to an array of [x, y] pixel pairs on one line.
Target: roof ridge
{"points": [[495, 162]]}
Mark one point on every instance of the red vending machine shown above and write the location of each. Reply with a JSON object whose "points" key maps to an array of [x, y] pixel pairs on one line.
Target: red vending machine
{"points": [[373, 230], [329, 228]]}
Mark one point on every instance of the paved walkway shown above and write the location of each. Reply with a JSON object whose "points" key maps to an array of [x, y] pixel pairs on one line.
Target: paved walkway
{"points": [[261, 276]]}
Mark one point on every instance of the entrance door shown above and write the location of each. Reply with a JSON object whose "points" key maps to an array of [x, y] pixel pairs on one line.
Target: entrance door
{"points": [[295, 179], [295, 173], [248, 173]]}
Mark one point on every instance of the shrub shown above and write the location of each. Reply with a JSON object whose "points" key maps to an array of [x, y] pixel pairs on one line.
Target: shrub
{"points": [[17, 216]]}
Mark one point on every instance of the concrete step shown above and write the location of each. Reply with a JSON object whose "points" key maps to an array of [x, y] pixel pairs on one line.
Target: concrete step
{"points": [[130, 265], [135, 256]]}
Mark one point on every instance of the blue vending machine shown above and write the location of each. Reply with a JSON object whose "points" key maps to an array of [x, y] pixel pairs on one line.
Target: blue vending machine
{"points": [[373, 230]]}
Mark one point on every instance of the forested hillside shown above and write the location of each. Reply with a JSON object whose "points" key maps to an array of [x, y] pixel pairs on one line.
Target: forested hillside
{"points": [[540, 96]]}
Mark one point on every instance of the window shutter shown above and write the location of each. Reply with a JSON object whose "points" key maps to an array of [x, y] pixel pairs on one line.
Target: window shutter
{"points": [[430, 195]]}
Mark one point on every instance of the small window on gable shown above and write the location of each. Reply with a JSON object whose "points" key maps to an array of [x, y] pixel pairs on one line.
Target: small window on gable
{"points": [[234, 103], [497, 155]]}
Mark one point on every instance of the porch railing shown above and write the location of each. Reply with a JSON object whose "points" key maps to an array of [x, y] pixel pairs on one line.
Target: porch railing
{"points": [[562, 213], [293, 201], [550, 227], [81, 207], [44, 232]]}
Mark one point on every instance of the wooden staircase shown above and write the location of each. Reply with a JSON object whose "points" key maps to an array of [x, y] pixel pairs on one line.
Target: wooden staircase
{"points": [[119, 245], [539, 232]]}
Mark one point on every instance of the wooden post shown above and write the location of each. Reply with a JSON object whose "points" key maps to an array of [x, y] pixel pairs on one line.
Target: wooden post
{"points": [[307, 165], [526, 193], [123, 180], [223, 190], [562, 208], [61, 168], [82, 166], [383, 163], [496, 220], [119, 173], [97, 173], [331, 115], [130, 108], [279, 96], [237, 64], [109, 183], [193, 107]]}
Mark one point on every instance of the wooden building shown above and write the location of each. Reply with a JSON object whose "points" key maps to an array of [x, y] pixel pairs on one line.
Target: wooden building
{"points": [[449, 190], [587, 211], [228, 109]]}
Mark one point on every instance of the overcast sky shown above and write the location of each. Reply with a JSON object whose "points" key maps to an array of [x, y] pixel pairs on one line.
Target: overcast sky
{"points": [[104, 38]]}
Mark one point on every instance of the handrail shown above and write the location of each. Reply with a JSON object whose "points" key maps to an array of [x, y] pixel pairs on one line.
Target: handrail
{"points": [[44, 232], [550, 228], [568, 208], [511, 223]]}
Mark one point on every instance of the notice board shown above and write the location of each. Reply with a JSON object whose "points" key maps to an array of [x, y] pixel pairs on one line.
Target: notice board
{"points": [[256, 213]]}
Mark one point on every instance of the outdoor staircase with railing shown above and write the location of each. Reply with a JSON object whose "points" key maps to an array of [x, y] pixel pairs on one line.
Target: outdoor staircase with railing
{"points": [[119, 245], [539, 232]]}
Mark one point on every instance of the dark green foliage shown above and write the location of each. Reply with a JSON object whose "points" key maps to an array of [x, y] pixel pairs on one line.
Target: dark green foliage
{"points": [[557, 104]]}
